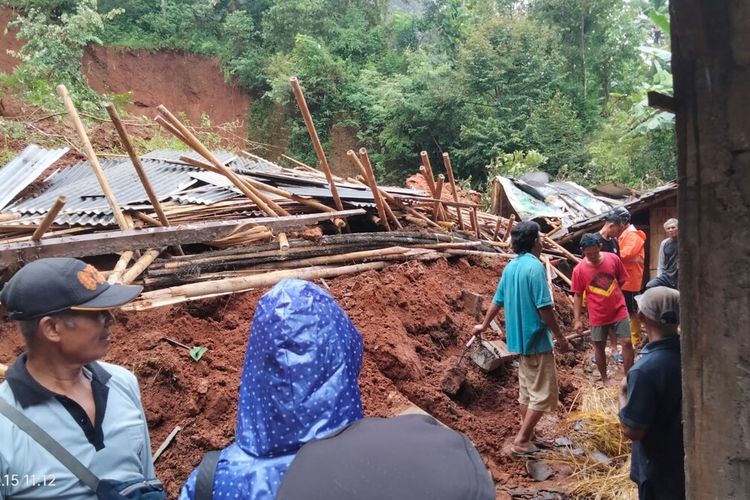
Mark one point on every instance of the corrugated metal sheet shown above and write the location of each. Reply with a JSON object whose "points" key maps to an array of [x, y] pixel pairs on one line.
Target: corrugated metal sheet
{"points": [[24, 169], [83, 192], [565, 200], [171, 180]]}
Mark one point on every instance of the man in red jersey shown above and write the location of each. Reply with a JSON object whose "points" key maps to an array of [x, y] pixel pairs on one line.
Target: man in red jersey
{"points": [[601, 276]]}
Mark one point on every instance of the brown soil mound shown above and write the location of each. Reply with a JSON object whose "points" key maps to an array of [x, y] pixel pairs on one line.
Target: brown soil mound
{"points": [[414, 327]]}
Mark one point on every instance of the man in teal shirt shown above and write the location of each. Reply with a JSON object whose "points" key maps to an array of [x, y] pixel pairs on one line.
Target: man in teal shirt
{"points": [[529, 318]]}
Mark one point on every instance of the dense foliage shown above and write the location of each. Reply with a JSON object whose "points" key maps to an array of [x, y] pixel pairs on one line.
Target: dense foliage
{"points": [[494, 82]]}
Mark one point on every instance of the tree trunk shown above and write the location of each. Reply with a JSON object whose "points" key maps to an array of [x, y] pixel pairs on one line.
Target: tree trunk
{"points": [[711, 67]]}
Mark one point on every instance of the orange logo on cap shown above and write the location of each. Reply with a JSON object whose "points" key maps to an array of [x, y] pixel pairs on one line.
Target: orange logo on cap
{"points": [[90, 277]]}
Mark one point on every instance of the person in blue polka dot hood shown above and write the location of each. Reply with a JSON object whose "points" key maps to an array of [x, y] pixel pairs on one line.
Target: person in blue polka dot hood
{"points": [[299, 383]]}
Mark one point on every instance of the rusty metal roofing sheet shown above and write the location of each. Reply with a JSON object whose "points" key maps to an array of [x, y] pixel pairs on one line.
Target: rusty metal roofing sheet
{"points": [[24, 169]]}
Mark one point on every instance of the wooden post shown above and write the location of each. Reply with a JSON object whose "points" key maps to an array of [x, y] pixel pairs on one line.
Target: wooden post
{"points": [[190, 140], [711, 68], [370, 177], [300, 97], [452, 180], [89, 151], [49, 218]]}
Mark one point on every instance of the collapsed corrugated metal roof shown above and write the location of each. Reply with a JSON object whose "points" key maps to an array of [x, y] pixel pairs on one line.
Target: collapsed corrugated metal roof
{"points": [[568, 201], [643, 201], [25, 169], [171, 179]]}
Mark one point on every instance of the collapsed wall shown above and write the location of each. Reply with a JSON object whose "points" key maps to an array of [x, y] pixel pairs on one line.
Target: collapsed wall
{"points": [[413, 323]]}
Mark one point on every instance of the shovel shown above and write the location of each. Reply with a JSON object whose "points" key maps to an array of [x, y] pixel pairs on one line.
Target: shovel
{"points": [[195, 352], [456, 375]]}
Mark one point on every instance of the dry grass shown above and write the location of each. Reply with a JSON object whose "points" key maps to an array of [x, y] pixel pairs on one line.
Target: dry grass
{"points": [[595, 429]]}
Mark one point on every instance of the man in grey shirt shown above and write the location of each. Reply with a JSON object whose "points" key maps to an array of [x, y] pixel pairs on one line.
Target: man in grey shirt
{"points": [[93, 409], [667, 271]]}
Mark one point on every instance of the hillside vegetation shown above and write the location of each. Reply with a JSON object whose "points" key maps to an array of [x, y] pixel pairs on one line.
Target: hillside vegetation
{"points": [[505, 86]]}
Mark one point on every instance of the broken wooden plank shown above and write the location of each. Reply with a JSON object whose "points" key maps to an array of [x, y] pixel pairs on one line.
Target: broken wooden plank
{"points": [[155, 237]]}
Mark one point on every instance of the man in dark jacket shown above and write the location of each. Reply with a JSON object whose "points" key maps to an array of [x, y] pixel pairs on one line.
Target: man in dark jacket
{"points": [[651, 401]]}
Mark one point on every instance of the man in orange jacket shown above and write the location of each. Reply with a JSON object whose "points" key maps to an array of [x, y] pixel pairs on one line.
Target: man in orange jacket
{"points": [[632, 252]]}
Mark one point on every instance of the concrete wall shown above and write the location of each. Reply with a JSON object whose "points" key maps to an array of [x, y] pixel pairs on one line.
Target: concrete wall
{"points": [[711, 67]]}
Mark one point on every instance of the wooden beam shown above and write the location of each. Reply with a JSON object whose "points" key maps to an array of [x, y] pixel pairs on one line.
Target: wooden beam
{"points": [[102, 243]]}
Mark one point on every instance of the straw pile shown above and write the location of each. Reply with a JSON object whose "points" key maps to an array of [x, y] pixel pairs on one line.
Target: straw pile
{"points": [[596, 429]]}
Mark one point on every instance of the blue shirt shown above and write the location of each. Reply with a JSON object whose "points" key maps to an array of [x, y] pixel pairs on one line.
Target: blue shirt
{"points": [[522, 291], [655, 405], [115, 447]]}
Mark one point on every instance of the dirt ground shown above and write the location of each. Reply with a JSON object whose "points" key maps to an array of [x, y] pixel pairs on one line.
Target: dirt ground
{"points": [[414, 325]]}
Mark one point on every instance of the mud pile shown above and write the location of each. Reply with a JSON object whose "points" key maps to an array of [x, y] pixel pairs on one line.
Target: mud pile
{"points": [[414, 325]]}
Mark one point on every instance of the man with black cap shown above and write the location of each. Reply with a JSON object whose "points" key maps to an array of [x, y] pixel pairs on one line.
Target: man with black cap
{"points": [[651, 400], [90, 408], [615, 223]]}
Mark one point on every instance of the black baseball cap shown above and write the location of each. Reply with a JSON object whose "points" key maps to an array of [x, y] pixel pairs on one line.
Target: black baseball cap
{"points": [[590, 240], [411, 456], [48, 286]]}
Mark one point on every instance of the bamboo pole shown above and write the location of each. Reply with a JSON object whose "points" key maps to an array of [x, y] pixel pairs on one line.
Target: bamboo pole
{"points": [[146, 218], [303, 166], [498, 224], [139, 266], [391, 215], [475, 222], [89, 151], [232, 285], [561, 275], [452, 180], [120, 267], [427, 171], [300, 97], [122, 222], [459, 251], [190, 140], [283, 242], [370, 184], [273, 190], [136, 161], [509, 227], [49, 218], [561, 249], [382, 205], [409, 210], [438, 194], [279, 210]]}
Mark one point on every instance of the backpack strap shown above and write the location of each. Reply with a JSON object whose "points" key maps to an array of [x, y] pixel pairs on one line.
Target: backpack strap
{"points": [[48, 443], [204, 482]]}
